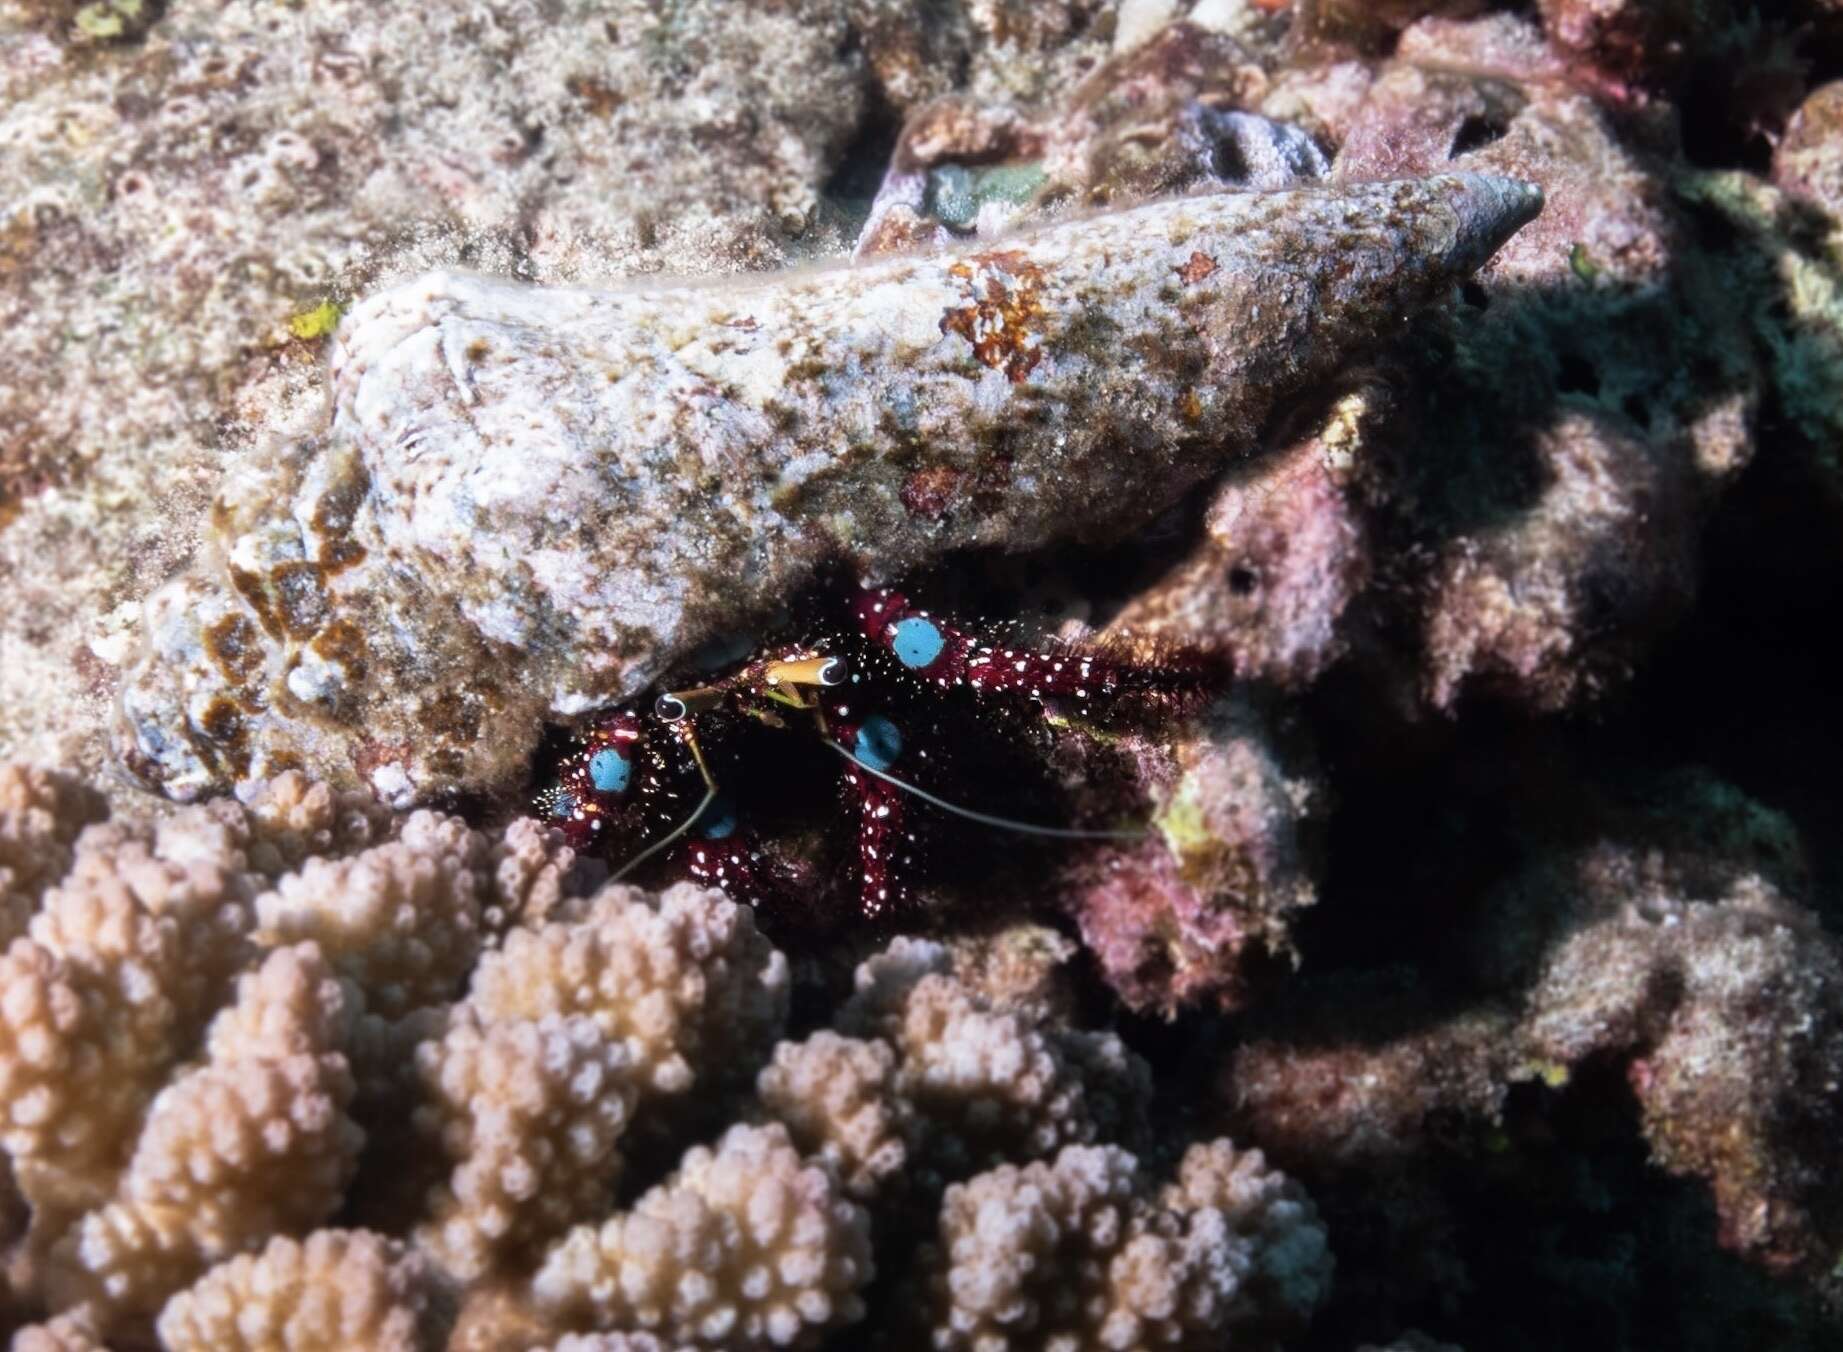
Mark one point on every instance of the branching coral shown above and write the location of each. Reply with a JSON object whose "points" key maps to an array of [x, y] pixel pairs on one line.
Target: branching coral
{"points": [[529, 1112], [174, 1074], [989, 1083], [838, 1099], [1080, 1253], [744, 1247], [528, 1084], [180, 1128], [253, 1141], [336, 1290], [688, 982], [41, 813], [402, 919]]}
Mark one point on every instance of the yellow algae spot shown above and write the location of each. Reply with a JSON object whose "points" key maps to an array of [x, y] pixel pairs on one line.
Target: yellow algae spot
{"points": [[1342, 436], [1554, 1074], [107, 20], [1182, 823], [317, 322]]}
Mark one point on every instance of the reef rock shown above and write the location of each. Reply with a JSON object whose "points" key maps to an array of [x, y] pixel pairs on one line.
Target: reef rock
{"points": [[533, 503]]}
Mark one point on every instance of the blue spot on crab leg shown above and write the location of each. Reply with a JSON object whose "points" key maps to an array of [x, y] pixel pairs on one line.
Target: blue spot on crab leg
{"points": [[610, 771], [917, 642], [878, 742]]}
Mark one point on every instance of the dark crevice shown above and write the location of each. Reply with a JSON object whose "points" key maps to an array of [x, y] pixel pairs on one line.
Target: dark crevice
{"points": [[1475, 133], [1575, 375]]}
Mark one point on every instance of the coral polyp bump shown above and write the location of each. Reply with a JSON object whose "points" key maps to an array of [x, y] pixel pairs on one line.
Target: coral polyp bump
{"points": [[899, 692], [533, 503]]}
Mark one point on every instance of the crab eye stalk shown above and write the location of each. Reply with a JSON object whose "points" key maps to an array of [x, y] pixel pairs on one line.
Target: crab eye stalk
{"points": [[820, 671], [675, 706]]}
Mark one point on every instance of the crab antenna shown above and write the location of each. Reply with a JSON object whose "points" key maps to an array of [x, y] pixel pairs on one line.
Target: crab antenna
{"points": [[710, 796], [985, 818]]}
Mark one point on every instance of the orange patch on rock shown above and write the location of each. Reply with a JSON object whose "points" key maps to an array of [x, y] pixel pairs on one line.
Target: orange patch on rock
{"points": [[929, 492], [1004, 302], [1199, 266]]}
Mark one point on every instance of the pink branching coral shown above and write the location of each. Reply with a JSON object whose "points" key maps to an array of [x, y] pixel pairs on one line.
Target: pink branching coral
{"points": [[336, 1290], [403, 919], [220, 1032], [687, 982], [253, 1141], [746, 1246], [175, 1076], [1081, 1252], [988, 1083], [41, 813], [838, 1098]]}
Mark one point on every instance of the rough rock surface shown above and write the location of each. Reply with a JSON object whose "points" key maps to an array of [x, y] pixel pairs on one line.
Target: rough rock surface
{"points": [[189, 204]]}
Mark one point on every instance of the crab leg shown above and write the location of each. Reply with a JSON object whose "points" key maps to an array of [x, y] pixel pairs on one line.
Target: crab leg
{"points": [[939, 651], [886, 846]]}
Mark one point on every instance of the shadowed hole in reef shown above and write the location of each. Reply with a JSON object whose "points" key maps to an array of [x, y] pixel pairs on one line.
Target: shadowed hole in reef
{"points": [[1575, 375], [1227, 161], [853, 185], [1475, 133]]}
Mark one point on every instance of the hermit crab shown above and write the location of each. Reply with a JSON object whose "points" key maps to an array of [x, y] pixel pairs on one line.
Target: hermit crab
{"points": [[911, 713]]}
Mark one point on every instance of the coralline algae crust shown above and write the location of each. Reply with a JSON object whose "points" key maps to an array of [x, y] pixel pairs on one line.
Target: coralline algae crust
{"points": [[534, 502]]}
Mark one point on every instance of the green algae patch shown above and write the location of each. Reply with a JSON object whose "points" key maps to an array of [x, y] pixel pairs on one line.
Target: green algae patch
{"points": [[317, 322]]}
